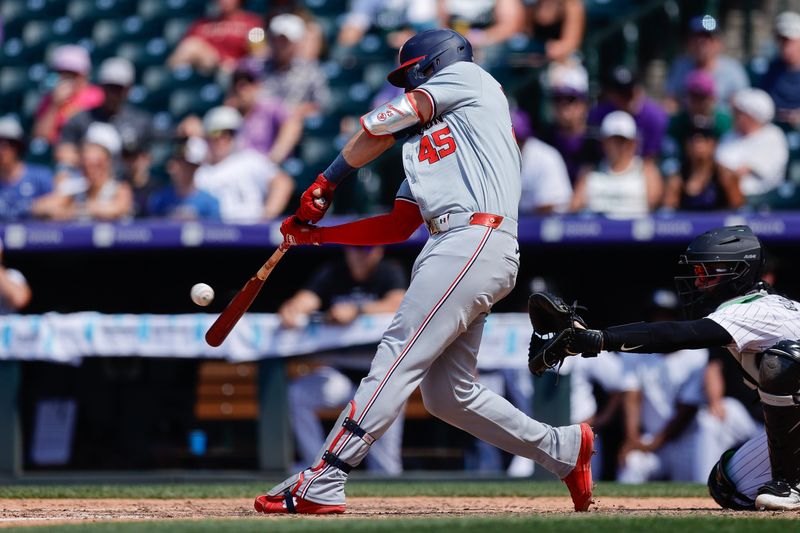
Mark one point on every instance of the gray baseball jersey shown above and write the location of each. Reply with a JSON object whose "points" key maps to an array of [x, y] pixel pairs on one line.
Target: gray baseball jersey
{"points": [[465, 160], [756, 321]]}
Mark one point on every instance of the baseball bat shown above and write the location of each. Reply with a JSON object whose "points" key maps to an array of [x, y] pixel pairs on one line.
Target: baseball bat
{"points": [[241, 302]]}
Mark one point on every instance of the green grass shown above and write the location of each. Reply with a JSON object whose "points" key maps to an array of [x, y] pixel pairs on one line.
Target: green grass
{"points": [[556, 524], [354, 488]]}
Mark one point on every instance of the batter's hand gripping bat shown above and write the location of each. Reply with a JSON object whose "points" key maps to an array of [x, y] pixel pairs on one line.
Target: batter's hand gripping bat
{"points": [[240, 303]]}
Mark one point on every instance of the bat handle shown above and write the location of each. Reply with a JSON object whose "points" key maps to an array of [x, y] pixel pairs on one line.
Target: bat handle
{"points": [[267, 267]]}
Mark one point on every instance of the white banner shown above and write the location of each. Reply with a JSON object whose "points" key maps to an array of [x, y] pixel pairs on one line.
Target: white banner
{"points": [[66, 338]]}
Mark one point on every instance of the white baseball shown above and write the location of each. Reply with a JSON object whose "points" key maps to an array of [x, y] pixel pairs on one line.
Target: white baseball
{"points": [[202, 294]]}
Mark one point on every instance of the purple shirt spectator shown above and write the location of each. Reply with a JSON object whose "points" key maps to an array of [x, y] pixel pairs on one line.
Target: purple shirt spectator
{"points": [[261, 125]]}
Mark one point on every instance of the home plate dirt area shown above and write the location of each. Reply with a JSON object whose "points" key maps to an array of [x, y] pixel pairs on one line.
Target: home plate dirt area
{"points": [[28, 511]]}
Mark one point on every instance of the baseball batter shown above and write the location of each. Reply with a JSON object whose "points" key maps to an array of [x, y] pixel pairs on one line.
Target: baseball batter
{"points": [[463, 181], [730, 306]]}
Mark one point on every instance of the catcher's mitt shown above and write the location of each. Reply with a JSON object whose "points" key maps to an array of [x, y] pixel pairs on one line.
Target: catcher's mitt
{"points": [[554, 331]]}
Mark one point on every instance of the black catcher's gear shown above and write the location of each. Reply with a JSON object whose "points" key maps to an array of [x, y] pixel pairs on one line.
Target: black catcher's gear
{"points": [[549, 314], [779, 388], [427, 53], [723, 490], [718, 265]]}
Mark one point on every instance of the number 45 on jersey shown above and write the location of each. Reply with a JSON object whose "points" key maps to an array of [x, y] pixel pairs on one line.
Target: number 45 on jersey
{"points": [[444, 144]]}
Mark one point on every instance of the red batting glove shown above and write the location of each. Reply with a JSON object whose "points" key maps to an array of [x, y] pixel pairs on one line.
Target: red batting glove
{"points": [[296, 233], [315, 200]]}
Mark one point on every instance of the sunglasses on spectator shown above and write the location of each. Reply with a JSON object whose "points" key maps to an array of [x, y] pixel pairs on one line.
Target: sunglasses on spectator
{"points": [[565, 99], [216, 134]]}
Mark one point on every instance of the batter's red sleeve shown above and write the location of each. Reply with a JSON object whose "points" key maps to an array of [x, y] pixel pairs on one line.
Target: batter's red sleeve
{"points": [[396, 226]]}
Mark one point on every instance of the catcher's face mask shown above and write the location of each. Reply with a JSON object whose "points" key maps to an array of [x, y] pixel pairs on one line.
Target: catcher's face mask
{"points": [[703, 285]]}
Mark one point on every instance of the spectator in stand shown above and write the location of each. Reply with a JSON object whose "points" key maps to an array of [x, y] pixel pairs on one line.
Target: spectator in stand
{"points": [[663, 394], [486, 23], [568, 86], [299, 83], [217, 42], [135, 127], [268, 126], [416, 15], [624, 185], [137, 164], [783, 77], [700, 109], [752, 158], [94, 194], [313, 44], [624, 92], [558, 24], [72, 93], [21, 183], [364, 283], [181, 200], [15, 293], [249, 187], [545, 182], [704, 51], [693, 183]]}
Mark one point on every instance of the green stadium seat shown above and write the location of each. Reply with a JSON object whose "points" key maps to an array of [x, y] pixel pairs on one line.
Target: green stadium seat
{"points": [[256, 6], [15, 53], [14, 16], [30, 102], [327, 7], [13, 84], [353, 100], [108, 34], [165, 9], [38, 35], [144, 54], [175, 29], [183, 102], [40, 152]]}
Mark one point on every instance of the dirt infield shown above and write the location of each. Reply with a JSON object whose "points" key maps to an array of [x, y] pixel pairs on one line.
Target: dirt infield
{"points": [[19, 512]]}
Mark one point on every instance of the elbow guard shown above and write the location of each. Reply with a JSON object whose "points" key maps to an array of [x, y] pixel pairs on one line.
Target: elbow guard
{"points": [[390, 118]]}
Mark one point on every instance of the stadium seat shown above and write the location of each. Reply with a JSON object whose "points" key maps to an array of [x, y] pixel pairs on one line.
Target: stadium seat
{"points": [[38, 35], [327, 7], [165, 9], [175, 29], [144, 54], [183, 102], [13, 83]]}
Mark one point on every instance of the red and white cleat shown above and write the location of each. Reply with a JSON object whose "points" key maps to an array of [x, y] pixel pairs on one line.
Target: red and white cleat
{"points": [[280, 504], [579, 481]]}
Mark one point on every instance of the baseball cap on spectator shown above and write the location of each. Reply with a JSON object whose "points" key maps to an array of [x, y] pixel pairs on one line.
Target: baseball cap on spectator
{"points": [[622, 80], [787, 25], [104, 135], [568, 80], [618, 124], [703, 24], [222, 118], [116, 71], [191, 150], [71, 58], [700, 82], [11, 129], [290, 26], [755, 103]]}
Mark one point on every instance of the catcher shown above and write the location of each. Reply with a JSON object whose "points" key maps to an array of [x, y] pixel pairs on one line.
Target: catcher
{"points": [[726, 304]]}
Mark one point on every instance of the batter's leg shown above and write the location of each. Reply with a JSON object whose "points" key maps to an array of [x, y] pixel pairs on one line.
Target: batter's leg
{"points": [[458, 277], [451, 392]]}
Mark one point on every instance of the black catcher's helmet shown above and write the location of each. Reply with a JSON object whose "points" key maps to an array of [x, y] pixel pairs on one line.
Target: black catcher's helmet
{"points": [[427, 53], [717, 266]]}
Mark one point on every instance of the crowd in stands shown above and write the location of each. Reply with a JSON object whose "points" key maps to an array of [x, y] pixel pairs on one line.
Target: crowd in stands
{"points": [[711, 141]]}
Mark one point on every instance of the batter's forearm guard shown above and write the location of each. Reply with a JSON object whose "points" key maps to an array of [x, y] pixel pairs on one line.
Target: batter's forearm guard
{"points": [[392, 117]]}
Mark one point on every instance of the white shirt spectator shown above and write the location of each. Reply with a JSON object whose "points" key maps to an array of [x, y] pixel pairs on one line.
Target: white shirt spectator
{"points": [[608, 373], [240, 182], [545, 180], [618, 194], [364, 13], [665, 380], [765, 152]]}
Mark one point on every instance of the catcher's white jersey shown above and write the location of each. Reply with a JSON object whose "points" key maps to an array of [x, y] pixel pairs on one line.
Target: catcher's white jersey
{"points": [[757, 321]]}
